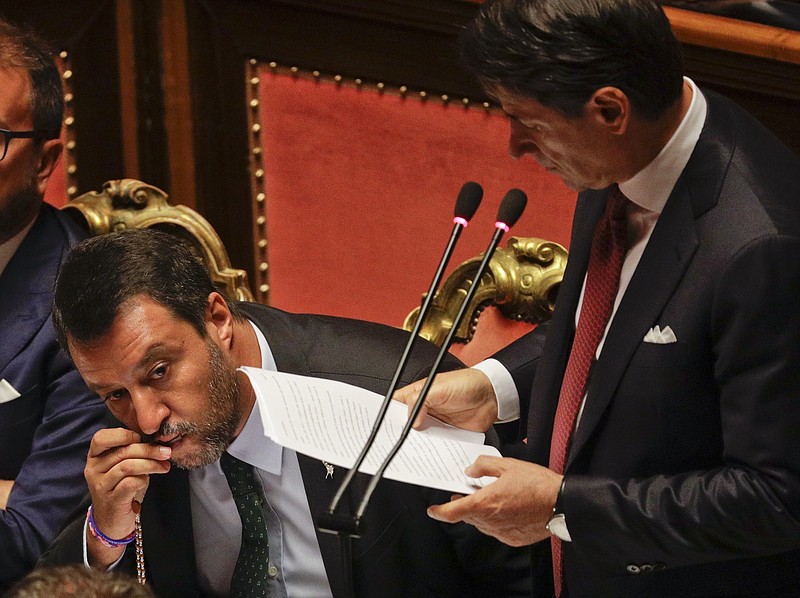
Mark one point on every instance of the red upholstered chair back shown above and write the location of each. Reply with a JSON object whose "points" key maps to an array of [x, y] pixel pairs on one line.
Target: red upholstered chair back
{"points": [[358, 188]]}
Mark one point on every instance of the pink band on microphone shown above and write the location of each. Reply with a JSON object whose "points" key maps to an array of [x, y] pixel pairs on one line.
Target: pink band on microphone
{"points": [[460, 220], [502, 225]]}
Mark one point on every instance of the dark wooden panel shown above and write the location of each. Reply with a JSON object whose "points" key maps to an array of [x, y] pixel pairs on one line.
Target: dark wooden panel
{"points": [[409, 43], [151, 133], [86, 29], [412, 43], [769, 89]]}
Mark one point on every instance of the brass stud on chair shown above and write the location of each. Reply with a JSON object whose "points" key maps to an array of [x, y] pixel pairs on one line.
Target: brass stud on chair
{"points": [[257, 164]]}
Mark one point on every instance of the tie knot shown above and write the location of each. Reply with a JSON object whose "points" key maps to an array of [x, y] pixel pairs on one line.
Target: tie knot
{"points": [[241, 477]]}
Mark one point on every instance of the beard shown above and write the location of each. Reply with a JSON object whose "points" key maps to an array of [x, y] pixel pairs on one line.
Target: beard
{"points": [[224, 415]]}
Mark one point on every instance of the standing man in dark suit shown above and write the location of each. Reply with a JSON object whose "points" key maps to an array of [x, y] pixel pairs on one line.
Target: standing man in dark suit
{"points": [[664, 455], [151, 335], [47, 415]]}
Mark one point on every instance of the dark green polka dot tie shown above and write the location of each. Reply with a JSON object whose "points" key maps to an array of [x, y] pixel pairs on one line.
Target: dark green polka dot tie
{"points": [[251, 573]]}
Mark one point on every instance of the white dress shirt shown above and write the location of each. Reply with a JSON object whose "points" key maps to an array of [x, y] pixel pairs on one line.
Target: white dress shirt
{"points": [[295, 557], [648, 192]]}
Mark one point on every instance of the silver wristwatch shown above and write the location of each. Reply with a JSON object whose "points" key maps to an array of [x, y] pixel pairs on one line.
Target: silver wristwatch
{"points": [[558, 522]]}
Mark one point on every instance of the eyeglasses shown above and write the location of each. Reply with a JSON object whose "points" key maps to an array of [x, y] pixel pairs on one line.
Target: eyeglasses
{"points": [[9, 135]]}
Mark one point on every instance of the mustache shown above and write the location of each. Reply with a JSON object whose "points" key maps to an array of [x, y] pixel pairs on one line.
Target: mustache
{"points": [[167, 429]]}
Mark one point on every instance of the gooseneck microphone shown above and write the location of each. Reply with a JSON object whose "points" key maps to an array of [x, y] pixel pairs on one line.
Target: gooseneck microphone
{"points": [[348, 526], [469, 198], [511, 209]]}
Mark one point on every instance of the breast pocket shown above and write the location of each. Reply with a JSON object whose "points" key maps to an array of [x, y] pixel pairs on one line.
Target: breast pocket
{"points": [[674, 393], [658, 368]]}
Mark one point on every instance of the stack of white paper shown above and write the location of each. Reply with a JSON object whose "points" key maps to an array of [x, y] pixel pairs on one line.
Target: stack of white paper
{"points": [[331, 420]]}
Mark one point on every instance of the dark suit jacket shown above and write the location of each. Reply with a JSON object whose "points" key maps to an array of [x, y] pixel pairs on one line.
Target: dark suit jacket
{"points": [[684, 474], [404, 553], [44, 433]]}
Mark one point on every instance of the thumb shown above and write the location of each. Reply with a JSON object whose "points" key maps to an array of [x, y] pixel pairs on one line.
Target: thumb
{"points": [[487, 466], [410, 395]]}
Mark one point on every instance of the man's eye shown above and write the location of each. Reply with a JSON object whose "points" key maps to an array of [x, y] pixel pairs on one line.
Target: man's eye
{"points": [[115, 395], [160, 371]]}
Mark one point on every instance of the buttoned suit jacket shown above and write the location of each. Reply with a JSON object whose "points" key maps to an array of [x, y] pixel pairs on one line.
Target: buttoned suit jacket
{"points": [[45, 432], [683, 477], [403, 553]]}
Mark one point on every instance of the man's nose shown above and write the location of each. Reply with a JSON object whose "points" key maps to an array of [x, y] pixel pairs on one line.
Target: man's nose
{"points": [[150, 409]]}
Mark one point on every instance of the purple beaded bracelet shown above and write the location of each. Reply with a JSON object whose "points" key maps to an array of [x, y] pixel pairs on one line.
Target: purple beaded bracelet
{"points": [[105, 540]]}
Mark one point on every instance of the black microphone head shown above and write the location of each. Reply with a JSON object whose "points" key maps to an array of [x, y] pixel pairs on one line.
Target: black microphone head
{"points": [[511, 207], [469, 198]]}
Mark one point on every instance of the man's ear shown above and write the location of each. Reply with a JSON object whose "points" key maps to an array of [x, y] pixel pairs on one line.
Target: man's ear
{"points": [[611, 108], [50, 153], [219, 320]]}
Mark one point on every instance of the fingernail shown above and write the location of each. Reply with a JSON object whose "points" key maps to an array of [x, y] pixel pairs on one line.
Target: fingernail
{"points": [[165, 450], [432, 515]]}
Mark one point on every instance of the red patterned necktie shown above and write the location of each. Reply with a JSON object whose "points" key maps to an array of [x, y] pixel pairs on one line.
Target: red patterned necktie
{"points": [[602, 283]]}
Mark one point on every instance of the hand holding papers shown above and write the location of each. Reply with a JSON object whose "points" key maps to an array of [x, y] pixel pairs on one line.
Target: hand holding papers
{"points": [[331, 420]]}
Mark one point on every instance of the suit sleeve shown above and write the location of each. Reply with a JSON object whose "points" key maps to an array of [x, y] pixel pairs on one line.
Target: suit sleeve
{"points": [[67, 548], [50, 482], [491, 567], [749, 503], [521, 359]]}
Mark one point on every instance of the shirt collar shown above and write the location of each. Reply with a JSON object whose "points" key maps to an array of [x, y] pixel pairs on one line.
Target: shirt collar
{"points": [[251, 445], [651, 187]]}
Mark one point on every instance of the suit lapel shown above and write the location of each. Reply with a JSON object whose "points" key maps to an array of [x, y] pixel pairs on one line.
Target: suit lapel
{"points": [[26, 285], [547, 384], [661, 268], [319, 489], [168, 535]]}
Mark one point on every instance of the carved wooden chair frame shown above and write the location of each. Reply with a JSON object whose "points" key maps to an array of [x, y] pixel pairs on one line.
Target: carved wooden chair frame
{"points": [[128, 203], [522, 280]]}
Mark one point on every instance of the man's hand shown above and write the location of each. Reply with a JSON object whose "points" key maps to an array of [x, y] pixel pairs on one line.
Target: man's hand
{"points": [[5, 490], [118, 469], [515, 508], [463, 398]]}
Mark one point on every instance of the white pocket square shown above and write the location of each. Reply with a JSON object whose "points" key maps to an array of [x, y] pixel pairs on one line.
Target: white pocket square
{"points": [[660, 337], [7, 392]]}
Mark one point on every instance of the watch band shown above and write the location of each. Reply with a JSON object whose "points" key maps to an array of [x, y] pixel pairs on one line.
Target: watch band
{"points": [[558, 522]]}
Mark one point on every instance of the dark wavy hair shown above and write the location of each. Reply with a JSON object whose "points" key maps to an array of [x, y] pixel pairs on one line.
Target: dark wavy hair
{"points": [[101, 273], [559, 52], [21, 48]]}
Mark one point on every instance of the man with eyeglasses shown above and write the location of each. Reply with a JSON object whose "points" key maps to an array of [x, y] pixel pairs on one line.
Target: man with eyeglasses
{"points": [[47, 415]]}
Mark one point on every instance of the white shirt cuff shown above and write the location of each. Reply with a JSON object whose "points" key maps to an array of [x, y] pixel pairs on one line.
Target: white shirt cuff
{"points": [[504, 389]]}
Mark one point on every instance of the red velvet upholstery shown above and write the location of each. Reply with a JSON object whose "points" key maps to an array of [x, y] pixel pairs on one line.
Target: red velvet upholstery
{"points": [[360, 192], [494, 331]]}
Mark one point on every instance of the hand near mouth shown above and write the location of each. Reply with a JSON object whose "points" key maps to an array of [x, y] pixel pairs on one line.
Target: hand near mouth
{"points": [[118, 469]]}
